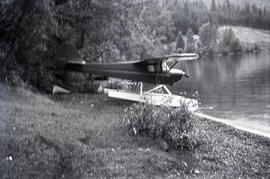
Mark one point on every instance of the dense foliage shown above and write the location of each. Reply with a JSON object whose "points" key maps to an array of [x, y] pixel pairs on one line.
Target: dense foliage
{"points": [[229, 43], [208, 36], [168, 19], [115, 30], [31, 31], [179, 15], [174, 125]]}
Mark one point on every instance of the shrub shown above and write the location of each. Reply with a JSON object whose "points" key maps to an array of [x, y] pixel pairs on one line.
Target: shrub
{"points": [[229, 42], [174, 125]]}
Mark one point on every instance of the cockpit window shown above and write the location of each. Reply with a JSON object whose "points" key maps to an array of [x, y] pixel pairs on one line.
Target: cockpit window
{"points": [[165, 67], [158, 68], [154, 68], [151, 68]]}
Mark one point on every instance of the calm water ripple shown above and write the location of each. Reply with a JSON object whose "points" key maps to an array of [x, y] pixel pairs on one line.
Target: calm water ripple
{"points": [[233, 87]]}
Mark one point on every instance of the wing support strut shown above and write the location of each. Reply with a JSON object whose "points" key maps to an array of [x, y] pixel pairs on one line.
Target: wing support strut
{"points": [[167, 71]]}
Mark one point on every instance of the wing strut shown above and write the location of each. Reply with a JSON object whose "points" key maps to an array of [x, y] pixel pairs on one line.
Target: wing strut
{"points": [[167, 71]]}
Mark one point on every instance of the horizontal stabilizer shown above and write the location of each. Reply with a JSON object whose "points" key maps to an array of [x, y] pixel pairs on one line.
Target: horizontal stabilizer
{"points": [[59, 90]]}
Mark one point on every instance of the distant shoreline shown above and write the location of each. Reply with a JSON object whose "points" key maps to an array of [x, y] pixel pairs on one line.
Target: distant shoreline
{"points": [[250, 40]]}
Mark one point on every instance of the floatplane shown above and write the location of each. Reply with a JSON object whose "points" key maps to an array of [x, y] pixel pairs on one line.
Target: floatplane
{"points": [[159, 71]]}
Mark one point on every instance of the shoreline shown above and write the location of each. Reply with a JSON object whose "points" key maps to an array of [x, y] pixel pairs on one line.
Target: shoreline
{"points": [[82, 136], [261, 49], [250, 40], [231, 124]]}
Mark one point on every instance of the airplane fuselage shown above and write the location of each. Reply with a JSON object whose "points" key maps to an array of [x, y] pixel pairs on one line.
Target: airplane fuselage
{"points": [[134, 70]]}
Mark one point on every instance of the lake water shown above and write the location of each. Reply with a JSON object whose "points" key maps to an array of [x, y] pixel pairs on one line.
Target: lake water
{"points": [[232, 87]]}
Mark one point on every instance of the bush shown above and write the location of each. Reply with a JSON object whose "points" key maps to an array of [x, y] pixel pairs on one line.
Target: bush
{"points": [[174, 125], [230, 43]]}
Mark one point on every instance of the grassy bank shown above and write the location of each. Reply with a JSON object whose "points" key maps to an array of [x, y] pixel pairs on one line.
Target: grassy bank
{"points": [[83, 136]]}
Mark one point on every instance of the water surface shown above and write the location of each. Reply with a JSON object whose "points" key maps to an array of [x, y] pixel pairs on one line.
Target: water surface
{"points": [[234, 87]]}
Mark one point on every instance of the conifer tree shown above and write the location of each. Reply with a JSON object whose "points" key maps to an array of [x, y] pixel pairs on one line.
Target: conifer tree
{"points": [[180, 43], [213, 5], [190, 45]]}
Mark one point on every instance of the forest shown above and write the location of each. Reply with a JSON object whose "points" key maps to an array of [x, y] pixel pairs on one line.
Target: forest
{"points": [[115, 30]]}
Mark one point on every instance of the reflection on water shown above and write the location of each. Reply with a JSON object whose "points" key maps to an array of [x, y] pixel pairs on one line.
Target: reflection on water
{"points": [[233, 87]]}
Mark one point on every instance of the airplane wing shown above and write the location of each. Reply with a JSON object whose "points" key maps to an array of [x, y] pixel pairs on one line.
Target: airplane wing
{"points": [[171, 58]]}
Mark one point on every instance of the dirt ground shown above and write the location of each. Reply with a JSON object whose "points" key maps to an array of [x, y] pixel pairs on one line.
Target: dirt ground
{"points": [[83, 136]]}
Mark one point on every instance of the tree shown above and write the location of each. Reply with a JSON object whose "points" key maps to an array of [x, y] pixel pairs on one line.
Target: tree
{"points": [[190, 47], [31, 30], [208, 36], [180, 43], [228, 5], [26, 27], [229, 42], [213, 5]]}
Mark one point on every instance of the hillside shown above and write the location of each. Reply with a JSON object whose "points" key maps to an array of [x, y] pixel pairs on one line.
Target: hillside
{"points": [[250, 36], [242, 3]]}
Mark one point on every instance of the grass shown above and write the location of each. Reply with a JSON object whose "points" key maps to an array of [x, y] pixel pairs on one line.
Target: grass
{"points": [[83, 136]]}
